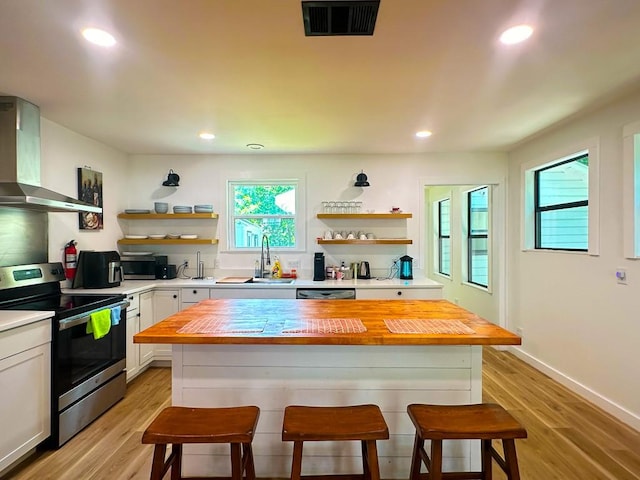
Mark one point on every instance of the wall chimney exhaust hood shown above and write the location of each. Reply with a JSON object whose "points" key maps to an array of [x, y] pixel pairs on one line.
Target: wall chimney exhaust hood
{"points": [[20, 162]]}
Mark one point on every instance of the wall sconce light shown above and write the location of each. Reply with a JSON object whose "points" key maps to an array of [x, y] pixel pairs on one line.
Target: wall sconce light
{"points": [[172, 180], [361, 180]]}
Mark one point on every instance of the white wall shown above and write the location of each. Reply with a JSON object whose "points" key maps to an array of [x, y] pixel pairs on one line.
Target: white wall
{"points": [[63, 152], [578, 324], [396, 180]]}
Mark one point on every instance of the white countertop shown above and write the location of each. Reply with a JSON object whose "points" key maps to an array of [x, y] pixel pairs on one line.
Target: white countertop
{"points": [[136, 286], [16, 318]]}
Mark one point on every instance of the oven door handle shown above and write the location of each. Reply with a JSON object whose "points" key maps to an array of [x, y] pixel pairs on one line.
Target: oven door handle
{"points": [[85, 317]]}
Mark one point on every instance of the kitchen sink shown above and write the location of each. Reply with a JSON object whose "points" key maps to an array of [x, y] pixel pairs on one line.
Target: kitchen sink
{"points": [[285, 281]]}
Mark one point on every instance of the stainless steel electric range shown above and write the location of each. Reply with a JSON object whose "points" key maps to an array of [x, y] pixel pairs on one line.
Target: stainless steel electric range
{"points": [[87, 375]]}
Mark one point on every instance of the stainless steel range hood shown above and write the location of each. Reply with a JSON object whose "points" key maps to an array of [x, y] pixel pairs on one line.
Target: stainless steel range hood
{"points": [[20, 162]]}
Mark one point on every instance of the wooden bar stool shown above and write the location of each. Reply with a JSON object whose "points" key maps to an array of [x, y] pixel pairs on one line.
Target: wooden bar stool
{"points": [[180, 425], [313, 424], [447, 422]]}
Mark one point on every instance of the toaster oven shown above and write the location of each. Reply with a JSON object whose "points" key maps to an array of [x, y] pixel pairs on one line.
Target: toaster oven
{"points": [[141, 267]]}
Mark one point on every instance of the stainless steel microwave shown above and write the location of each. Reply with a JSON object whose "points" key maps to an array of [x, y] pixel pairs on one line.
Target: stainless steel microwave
{"points": [[141, 267]]}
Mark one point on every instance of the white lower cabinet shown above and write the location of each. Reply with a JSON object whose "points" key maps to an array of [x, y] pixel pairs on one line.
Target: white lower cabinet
{"points": [[146, 320], [399, 293], [165, 303], [25, 406]]}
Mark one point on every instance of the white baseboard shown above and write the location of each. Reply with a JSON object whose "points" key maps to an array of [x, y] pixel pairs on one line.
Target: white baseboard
{"points": [[607, 405]]}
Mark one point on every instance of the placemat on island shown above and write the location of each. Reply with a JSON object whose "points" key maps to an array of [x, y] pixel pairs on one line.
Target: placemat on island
{"points": [[428, 326], [325, 325], [222, 325]]}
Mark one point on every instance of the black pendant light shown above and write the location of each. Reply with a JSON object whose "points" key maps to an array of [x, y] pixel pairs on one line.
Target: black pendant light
{"points": [[172, 180], [361, 180]]}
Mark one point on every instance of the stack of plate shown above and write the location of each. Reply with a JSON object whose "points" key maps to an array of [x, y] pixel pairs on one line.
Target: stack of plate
{"points": [[182, 209], [157, 236], [134, 210], [173, 235], [207, 208]]}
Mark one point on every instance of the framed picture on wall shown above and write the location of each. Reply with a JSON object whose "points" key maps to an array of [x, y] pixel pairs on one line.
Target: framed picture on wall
{"points": [[90, 191]]}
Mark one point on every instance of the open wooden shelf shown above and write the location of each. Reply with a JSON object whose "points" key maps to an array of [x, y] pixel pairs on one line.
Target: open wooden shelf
{"points": [[368, 216], [166, 216], [375, 241], [168, 241]]}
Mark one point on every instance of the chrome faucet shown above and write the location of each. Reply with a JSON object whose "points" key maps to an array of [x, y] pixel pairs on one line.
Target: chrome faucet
{"points": [[265, 261]]}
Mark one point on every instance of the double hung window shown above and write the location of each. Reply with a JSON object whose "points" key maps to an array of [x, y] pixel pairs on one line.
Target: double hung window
{"points": [[561, 200], [478, 236], [444, 237], [270, 208]]}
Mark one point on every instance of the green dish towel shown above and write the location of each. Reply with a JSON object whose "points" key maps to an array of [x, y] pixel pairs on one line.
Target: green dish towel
{"points": [[99, 323]]}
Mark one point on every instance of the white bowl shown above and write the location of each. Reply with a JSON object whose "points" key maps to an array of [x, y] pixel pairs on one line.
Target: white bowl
{"points": [[157, 236], [188, 237]]}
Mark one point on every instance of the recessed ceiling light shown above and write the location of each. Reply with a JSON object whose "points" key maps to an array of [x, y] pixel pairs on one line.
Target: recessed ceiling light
{"points": [[99, 37], [423, 134], [255, 146], [207, 136], [516, 34]]}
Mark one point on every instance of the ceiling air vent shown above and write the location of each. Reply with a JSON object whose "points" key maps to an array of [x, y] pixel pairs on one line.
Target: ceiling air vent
{"points": [[330, 18]]}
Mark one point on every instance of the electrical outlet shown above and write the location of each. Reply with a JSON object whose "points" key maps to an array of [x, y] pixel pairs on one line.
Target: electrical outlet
{"points": [[621, 276], [216, 263], [186, 263]]}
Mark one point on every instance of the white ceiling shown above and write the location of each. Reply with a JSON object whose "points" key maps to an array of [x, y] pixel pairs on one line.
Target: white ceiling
{"points": [[244, 70]]}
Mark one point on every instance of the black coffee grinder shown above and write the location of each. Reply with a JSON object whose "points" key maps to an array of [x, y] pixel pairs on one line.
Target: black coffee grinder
{"points": [[406, 267], [318, 267]]}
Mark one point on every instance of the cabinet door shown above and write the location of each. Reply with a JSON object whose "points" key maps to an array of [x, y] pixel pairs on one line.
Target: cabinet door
{"points": [[165, 304], [25, 412], [146, 320], [133, 349]]}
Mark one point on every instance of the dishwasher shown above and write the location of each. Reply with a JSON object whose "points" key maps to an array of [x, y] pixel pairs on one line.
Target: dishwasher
{"points": [[326, 293]]}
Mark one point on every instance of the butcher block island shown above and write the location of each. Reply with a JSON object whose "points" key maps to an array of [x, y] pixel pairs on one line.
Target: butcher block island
{"points": [[278, 352]]}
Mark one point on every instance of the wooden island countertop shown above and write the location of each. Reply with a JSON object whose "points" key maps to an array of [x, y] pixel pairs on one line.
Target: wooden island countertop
{"points": [[271, 321]]}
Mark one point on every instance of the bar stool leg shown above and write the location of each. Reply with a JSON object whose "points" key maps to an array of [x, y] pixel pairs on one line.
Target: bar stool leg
{"points": [[236, 462], [365, 463], [157, 466], [435, 469], [372, 460], [296, 464], [176, 462], [247, 461], [511, 459], [418, 445], [487, 472]]}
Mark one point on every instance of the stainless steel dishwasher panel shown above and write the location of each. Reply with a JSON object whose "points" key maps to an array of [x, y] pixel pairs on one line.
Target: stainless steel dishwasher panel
{"points": [[326, 293]]}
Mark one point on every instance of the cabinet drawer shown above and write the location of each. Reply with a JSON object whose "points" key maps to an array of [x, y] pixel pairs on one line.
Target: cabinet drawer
{"points": [[134, 301], [192, 295], [28, 336], [398, 293]]}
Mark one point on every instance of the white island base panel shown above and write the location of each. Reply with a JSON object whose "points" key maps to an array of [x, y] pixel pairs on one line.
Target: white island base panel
{"points": [[274, 376]]}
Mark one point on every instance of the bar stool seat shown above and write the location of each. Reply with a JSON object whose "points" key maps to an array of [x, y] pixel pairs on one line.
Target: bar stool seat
{"points": [[312, 424], [180, 425], [485, 422]]}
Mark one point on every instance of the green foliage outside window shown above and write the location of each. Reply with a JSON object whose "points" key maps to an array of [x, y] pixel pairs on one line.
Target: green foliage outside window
{"points": [[264, 208]]}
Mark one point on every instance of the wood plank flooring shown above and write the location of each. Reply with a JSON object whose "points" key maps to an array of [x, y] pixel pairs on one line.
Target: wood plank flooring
{"points": [[569, 439]]}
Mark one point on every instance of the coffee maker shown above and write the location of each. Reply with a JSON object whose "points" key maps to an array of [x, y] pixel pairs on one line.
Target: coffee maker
{"points": [[98, 270]]}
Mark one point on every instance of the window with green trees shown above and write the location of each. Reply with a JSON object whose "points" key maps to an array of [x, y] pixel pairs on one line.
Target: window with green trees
{"points": [[258, 208]]}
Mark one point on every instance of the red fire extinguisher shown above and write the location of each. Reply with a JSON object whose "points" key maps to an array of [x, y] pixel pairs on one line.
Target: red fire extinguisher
{"points": [[70, 259]]}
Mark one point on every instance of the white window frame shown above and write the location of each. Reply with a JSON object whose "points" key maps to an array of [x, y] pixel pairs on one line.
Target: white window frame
{"points": [[299, 217], [438, 248], [527, 226], [464, 225], [631, 190]]}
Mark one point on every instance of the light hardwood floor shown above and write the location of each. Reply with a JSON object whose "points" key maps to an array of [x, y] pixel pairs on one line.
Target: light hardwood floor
{"points": [[569, 439]]}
